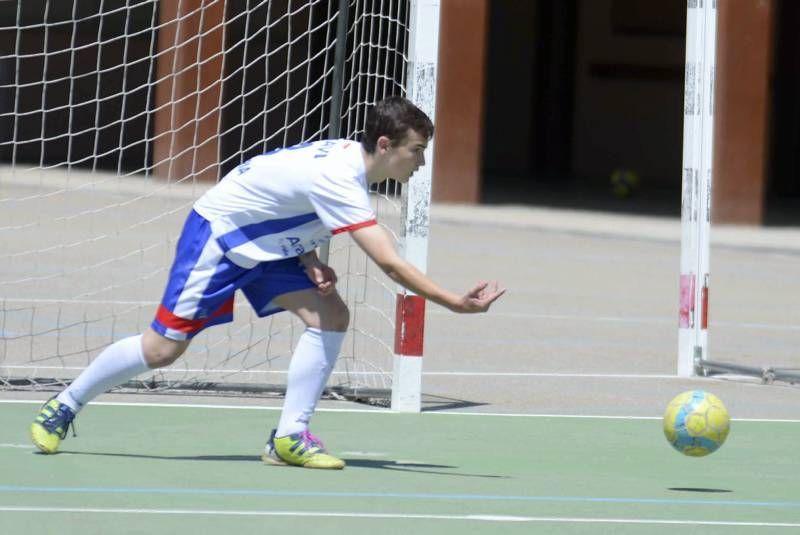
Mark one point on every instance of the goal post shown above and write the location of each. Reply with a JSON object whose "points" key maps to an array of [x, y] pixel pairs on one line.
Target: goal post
{"points": [[120, 114], [410, 311], [698, 153]]}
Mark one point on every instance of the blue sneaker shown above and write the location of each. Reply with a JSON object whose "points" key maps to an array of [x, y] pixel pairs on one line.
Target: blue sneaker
{"points": [[51, 425]]}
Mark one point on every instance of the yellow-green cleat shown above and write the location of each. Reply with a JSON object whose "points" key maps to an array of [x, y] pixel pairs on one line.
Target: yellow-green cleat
{"points": [[51, 425], [300, 449]]}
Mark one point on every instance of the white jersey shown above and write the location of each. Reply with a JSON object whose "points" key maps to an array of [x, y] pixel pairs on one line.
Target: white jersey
{"points": [[289, 201]]}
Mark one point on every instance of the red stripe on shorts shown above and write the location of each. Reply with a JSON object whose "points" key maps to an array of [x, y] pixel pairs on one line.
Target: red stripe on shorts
{"points": [[166, 318]]}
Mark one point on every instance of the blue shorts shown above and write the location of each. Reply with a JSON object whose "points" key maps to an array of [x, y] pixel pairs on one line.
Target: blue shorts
{"points": [[202, 283]]}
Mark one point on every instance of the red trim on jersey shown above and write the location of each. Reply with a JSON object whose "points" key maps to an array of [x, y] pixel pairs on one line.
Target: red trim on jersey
{"points": [[350, 228], [169, 320], [409, 325]]}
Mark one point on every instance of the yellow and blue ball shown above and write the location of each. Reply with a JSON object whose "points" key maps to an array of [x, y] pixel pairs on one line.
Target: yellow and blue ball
{"points": [[696, 423]]}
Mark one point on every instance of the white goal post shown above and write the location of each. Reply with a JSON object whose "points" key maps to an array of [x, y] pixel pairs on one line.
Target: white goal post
{"points": [[410, 317], [116, 115], [698, 154]]}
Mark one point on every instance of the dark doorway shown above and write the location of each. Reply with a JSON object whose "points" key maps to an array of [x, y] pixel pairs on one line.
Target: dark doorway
{"points": [[783, 188], [529, 98], [577, 89]]}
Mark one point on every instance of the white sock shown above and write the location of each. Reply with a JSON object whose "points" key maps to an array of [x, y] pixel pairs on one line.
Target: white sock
{"points": [[117, 363], [312, 362]]}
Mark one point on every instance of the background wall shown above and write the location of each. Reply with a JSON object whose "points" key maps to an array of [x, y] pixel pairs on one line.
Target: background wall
{"points": [[578, 88], [629, 90]]}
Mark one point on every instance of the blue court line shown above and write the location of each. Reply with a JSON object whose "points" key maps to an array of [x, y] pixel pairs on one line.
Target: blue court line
{"points": [[392, 495]]}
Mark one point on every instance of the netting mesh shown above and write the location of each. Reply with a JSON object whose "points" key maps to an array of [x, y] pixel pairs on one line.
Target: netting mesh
{"points": [[116, 115]]}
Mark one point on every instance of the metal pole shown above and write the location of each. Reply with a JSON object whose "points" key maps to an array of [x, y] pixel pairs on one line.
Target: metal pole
{"points": [[698, 151], [423, 49], [335, 116]]}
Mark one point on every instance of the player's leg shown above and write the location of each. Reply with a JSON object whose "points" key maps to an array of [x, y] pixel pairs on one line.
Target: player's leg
{"points": [[120, 362], [326, 319], [284, 285], [117, 364], [192, 291]]}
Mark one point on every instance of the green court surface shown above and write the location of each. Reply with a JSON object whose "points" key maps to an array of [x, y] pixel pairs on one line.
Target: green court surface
{"points": [[192, 469]]}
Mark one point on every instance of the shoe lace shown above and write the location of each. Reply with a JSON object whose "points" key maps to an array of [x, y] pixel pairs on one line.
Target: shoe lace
{"points": [[63, 418], [71, 425], [310, 440]]}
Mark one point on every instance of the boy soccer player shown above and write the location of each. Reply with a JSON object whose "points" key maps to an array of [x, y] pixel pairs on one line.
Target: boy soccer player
{"points": [[257, 231]]}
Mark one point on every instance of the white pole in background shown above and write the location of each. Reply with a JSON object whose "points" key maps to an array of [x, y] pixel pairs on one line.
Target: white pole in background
{"points": [[423, 49], [698, 153]]}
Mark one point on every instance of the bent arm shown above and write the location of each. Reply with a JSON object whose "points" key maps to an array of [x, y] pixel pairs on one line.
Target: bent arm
{"points": [[379, 247]]}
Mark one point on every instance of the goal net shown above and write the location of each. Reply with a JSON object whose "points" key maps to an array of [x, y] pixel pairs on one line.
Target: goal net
{"points": [[116, 115]]}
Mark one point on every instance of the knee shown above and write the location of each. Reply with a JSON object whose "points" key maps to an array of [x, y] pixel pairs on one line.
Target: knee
{"points": [[159, 351]]}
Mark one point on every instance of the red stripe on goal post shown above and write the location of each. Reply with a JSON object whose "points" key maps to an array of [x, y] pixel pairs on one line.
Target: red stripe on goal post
{"points": [[409, 331], [704, 312]]}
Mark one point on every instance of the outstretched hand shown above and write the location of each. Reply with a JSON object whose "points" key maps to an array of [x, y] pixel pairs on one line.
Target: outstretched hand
{"points": [[480, 298]]}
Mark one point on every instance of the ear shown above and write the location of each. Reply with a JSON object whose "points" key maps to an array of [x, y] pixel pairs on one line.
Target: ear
{"points": [[383, 143]]}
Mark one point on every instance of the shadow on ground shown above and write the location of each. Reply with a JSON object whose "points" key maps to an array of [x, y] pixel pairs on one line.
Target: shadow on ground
{"points": [[378, 464]]}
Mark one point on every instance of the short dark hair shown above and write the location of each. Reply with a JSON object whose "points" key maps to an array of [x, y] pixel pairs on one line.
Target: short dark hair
{"points": [[393, 117]]}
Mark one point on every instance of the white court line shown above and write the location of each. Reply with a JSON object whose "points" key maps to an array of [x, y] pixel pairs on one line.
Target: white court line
{"points": [[367, 373], [392, 516], [76, 301], [379, 410], [565, 375], [550, 375]]}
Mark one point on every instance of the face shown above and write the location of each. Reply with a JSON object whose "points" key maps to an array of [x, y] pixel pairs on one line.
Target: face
{"points": [[403, 159]]}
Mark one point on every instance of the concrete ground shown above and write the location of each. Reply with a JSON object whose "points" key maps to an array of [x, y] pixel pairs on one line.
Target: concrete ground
{"points": [[588, 325]]}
